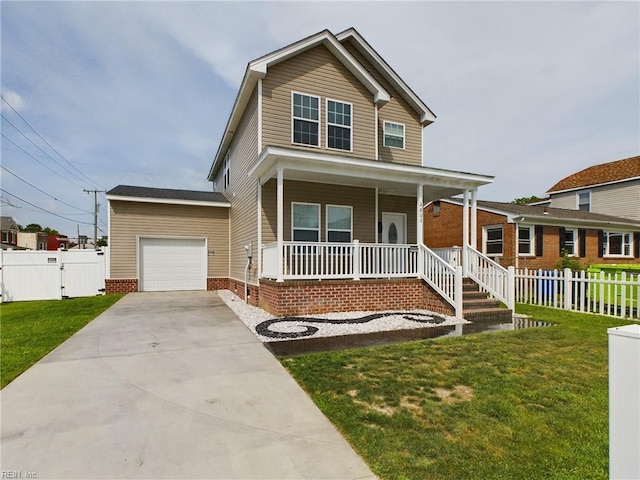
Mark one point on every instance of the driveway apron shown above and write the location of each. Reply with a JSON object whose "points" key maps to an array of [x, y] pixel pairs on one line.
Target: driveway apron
{"points": [[167, 385]]}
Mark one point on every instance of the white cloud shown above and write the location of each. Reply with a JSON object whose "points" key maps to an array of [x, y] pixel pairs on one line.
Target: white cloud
{"points": [[14, 99]]}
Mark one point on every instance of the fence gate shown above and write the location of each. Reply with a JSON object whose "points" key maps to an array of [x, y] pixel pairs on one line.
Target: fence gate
{"points": [[51, 275]]}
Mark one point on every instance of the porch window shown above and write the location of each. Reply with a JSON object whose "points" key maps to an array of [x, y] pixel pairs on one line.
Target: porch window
{"points": [[584, 201], [493, 240], [338, 125], [305, 222], [525, 240], [339, 223], [306, 119], [571, 242], [393, 135], [617, 243]]}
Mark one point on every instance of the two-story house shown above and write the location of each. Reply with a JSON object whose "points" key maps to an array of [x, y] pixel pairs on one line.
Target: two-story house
{"points": [[9, 231], [319, 187]]}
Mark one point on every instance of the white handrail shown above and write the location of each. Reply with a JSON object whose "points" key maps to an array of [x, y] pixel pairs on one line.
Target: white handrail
{"points": [[442, 277], [491, 276]]}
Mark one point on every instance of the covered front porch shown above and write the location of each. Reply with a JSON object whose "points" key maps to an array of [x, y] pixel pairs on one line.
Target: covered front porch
{"points": [[330, 217]]}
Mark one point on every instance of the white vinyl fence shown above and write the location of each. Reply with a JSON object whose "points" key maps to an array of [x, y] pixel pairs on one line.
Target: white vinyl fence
{"points": [[614, 294], [52, 275]]}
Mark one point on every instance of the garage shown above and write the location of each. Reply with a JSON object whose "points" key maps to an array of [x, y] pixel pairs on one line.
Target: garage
{"points": [[168, 264]]}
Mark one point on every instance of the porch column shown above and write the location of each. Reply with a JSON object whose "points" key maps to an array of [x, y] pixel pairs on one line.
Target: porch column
{"points": [[259, 220], [474, 219], [419, 216], [280, 222], [465, 232]]}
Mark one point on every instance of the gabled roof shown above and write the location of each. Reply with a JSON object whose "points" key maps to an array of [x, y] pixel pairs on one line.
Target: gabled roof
{"points": [[541, 214], [611, 172], [8, 223], [167, 195], [259, 67], [426, 115]]}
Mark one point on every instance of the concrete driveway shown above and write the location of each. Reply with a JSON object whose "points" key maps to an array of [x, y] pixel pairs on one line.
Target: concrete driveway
{"points": [[167, 385]]}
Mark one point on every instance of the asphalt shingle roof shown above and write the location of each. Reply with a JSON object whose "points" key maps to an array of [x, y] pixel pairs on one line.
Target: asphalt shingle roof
{"points": [[167, 194], [599, 174], [7, 223]]}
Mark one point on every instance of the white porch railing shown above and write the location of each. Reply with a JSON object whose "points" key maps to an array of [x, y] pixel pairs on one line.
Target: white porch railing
{"points": [[452, 255], [492, 277], [444, 278]]}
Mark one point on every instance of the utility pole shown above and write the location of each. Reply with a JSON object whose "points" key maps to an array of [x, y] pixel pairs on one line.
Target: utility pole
{"points": [[95, 215]]}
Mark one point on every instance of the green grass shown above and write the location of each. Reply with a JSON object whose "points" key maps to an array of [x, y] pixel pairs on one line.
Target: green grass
{"points": [[528, 404], [30, 330]]}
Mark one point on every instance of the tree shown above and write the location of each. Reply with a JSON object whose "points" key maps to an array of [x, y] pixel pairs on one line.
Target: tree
{"points": [[36, 228], [101, 242], [526, 200]]}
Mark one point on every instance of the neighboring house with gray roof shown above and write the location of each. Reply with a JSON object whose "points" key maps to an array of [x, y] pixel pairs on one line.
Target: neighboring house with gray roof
{"points": [[534, 236], [611, 188]]}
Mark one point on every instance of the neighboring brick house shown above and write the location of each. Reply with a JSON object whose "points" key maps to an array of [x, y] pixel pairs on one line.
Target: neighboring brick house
{"points": [[55, 242], [527, 236], [611, 188], [318, 186], [9, 232]]}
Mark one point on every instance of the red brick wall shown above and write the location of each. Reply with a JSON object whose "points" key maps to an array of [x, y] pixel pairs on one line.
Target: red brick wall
{"points": [[121, 285], [313, 297], [217, 283], [237, 287]]}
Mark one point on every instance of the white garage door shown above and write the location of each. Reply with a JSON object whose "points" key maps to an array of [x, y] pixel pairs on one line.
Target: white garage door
{"points": [[173, 264]]}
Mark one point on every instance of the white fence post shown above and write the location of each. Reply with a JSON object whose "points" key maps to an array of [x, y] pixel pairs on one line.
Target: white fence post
{"points": [[568, 288], [624, 402]]}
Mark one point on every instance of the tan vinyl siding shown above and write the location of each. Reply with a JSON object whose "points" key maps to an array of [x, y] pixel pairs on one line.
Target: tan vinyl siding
{"points": [[361, 199], [618, 199], [242, 192], [129, 220], [316, 72], [398, 204], [397, 111], [566, 200]]}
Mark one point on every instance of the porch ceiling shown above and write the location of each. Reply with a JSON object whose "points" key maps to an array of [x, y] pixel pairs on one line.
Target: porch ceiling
{"points": [[390, 178]]}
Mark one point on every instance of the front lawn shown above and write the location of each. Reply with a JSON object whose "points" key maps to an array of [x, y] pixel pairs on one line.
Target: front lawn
{"points": [[529, 404], [30, 330]]}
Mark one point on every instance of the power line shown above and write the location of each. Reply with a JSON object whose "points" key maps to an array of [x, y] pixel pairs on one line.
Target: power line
{"points": [[41, 163], [42, 191], [43, 139], [43, 209]]}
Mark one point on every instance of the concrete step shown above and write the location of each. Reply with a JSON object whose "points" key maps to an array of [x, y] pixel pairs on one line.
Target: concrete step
{"points": [[488, 314], [479, 303]]}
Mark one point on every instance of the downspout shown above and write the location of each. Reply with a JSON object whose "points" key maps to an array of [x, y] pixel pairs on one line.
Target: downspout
{"points": [[249, 250]]}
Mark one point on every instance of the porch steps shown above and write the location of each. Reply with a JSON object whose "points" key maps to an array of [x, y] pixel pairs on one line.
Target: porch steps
{"points": [[478, 306]]}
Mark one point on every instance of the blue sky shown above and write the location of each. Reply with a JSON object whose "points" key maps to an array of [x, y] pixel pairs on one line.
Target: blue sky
{"points": [[139, 93]]}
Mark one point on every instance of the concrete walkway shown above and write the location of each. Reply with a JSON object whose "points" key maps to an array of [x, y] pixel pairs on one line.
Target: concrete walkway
{"points": [[167, 385]]}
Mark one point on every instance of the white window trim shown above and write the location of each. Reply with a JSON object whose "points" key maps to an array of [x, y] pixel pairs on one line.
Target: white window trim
{"points": [[588, 192], [327, 124], [338, 229], [293, 118], [484, 240], [576, 240], [293, 227], [532, 241], [606, 244], [384, 134], [226, 176]]}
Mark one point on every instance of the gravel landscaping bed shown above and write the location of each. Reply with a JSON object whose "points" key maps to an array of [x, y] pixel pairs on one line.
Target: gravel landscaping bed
{"points": [[271, 329]]}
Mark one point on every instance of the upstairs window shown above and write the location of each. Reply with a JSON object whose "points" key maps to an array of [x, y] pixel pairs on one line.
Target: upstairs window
{"points": [[493, 240], [305, 222], [584, 201], [339, 224], [338, 125], [617, 244], [525, 240], [393, 135], [306, 119], [225, 170]]}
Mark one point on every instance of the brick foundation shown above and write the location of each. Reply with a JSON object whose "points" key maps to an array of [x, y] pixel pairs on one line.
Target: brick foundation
{"points": [[237, 287], [121, 285], [217, 283], [313, 297]]}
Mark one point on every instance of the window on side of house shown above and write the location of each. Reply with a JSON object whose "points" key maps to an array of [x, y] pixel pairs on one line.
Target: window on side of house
{"points": [[525, 241], [305, 222], [584, 201], [306, 119], [393, 135], [339, 131], [339, 223], [5, 237], [493, 240], [225, 170], [617, 244], [571, 242]]}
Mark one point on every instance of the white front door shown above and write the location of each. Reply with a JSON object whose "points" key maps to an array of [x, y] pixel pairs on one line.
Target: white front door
{"points": [[394, 228]]}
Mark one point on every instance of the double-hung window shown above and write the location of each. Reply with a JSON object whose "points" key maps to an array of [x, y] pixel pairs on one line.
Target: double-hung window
{"points": [[584, 201], [525, 240], [339, 125], [305, 222], [339, 223], [306, 119], [393, 135], [493, 240], [571, 242], [617, 244]]}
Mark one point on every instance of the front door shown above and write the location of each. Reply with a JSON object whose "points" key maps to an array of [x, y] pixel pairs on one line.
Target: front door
{"points": [[394, 228]]}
